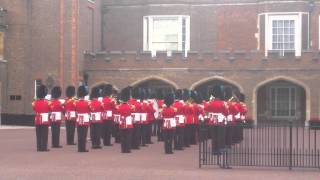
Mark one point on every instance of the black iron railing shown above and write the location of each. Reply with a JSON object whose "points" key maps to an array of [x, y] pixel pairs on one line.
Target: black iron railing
{"points": [[277, 144]]}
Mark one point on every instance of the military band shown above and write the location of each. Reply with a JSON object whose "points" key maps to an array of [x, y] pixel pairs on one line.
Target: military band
{"points": [[178, 116]]}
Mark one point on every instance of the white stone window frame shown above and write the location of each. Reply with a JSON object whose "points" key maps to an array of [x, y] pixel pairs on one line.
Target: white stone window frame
{"points": [[148, 31], [296, 16], [290, 101]]}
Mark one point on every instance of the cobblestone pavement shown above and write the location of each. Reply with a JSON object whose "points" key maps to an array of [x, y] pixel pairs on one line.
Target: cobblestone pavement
{"points": [[19, 160]]}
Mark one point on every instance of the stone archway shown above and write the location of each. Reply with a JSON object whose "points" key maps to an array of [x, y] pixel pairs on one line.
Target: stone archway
{"points": [[154, 83], [204, 86], [281, 98]]}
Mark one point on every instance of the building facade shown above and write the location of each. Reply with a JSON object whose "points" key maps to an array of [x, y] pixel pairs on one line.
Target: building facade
{"points": [[269, 50]]}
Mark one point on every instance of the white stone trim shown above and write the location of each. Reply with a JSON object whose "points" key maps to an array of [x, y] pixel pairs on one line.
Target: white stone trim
{"points": [[149, 78], [212, 78]]}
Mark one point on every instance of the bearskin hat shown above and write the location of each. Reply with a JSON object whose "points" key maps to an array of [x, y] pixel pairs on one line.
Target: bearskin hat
{"points": [[82, 92], [41, 91], [136, 93], [56, 92], [217, 92], [70, 91], [178, 94], [227, 93], [107, 90], [169, 99], [196, 97], [125, 94], [95, 93], [159, 94]]}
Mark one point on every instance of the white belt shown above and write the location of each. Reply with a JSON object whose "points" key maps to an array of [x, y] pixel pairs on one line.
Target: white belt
{"points": [[116, 118], [83, 118], [217, 117], [56, 116], [108, 113], [44, 117], [128, 120], [143, 116], [71, 114], [238, 116], [171, 121], [96, 116], [229, 118], [136, 117], [180, 118]]}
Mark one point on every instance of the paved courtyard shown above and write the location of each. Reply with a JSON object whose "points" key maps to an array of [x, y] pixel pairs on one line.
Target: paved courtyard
{"points": [[19, 160]]}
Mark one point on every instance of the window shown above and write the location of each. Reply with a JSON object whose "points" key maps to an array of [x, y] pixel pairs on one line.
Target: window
{"points": [[283, 102], [285, 32], [166, 33]]}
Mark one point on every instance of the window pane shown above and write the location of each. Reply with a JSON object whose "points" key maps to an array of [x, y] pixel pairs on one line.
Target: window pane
{"points": [[274, 23], [280, 23]]}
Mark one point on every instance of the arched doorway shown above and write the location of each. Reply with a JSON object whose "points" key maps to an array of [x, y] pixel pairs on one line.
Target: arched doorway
{"points": [[281, 99], [204, 87], [155, 83]]}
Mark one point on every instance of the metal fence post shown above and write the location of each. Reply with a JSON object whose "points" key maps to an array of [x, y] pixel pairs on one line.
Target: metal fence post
{"points": [[290, 144]]}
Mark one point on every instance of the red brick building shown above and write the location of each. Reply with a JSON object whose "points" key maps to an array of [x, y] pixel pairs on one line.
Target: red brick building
{"points": [[269, 50]]}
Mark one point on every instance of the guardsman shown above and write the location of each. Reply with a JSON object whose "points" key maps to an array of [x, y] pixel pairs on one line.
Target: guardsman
{"points": [[198, 114], [243, 111], [144, 118], [169, 123], [125, 122], [41, 121], [56, 108], [116, 117], [150, 114], [136, 115], [159, 119], [83, 118], [109, 105], [189, 115], [96, 110], [217, 111], [70, 114], [180, 118]]}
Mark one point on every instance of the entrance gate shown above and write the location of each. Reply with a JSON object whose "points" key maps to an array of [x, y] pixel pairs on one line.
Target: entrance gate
{"points": [[276, 144]]}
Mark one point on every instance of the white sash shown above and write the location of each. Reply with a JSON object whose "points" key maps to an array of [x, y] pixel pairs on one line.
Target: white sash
{"points": [[238, 116], [96, 116], [56, 116], [44, 117]]}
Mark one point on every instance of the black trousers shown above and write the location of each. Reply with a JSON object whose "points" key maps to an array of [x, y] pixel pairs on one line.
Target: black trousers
{"points": [[116, 133], [187, 135], [126, 138], [82, 138], [168, 136], [107, 132], [144, 129], [214, 138], [159, 129], [149, 132], [221, 137], [179, 138], [70, 129], [229, 135], [55, 131], [42, 137], [194, 134], [95, 134], [136, 137], [154, 127]]}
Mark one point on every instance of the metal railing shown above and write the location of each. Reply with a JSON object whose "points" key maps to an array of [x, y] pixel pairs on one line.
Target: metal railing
{"points": [[277, 144]]}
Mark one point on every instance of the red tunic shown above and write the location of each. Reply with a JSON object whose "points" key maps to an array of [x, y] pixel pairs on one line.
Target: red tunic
{"points": [[243, 111], [96, 110], [56, 109], [180, 107], [189, 113], [41, 108], [169, 121], [216, 107], [197, 110], [137, 111], [150, 111], [125, 111], [144, 112], [70, 109], [109, 106], [82, 110]]}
